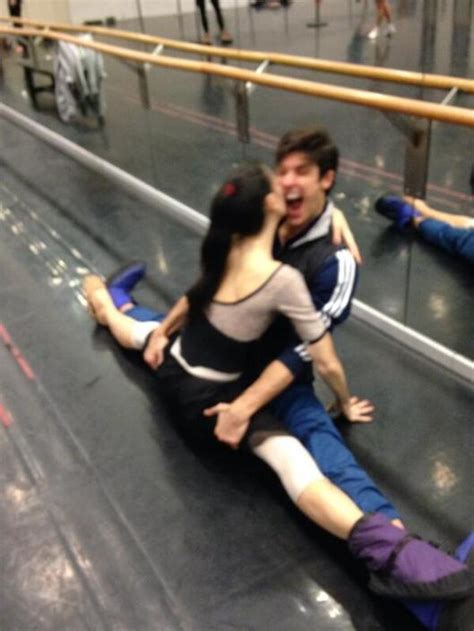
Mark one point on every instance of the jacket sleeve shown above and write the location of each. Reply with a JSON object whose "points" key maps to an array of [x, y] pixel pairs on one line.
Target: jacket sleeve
{"points": [[331, 289]]}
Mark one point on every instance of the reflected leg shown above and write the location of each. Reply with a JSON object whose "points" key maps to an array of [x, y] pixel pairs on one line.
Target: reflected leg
{"points": [[457, 241]]}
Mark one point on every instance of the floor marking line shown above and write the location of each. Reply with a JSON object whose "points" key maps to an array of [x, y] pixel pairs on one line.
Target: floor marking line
{"points": [[16, 354], [6, 418]]}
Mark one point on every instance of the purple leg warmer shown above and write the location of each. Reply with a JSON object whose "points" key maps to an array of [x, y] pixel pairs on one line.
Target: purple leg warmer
{"points": [[403, 566]]}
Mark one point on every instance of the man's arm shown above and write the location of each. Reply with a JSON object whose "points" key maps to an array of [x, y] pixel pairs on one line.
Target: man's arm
{"points": [[158, 340], [234, 418], [331, 292], [331, 370]]}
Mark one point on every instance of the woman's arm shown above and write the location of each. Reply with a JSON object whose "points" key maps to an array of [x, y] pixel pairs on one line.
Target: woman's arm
{"points": [[158, 340], [342, 233]]}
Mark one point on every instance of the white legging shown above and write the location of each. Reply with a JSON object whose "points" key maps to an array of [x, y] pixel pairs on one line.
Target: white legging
{"points": [[290, 461], [140, 333]]}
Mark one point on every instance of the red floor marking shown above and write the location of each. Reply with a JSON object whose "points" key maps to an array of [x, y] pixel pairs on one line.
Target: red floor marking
{"points": [[14, 350], [4, 335], [5, 416]]}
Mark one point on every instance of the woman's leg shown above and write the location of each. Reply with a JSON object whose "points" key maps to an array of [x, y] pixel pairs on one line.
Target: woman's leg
{"points": [[386, 10], [456, 241], [15, 12], [401, 566], [128, 332], [314, 495], [384, 13], [379, 5], [225, 36], [201, 4], [15, 9], [217, 9]]}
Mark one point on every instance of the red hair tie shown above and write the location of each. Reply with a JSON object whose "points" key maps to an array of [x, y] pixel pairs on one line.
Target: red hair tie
{"points": [[229, 189]]}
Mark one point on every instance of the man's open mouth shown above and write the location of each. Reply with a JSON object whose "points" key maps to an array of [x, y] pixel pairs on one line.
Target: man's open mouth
{"points": [[294, 201]]}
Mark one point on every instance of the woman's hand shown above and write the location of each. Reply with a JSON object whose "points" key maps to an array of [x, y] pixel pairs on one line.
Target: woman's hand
{"points": [[232, 423], [154, 350], [342, 233], [275, 201], [358, 410]]}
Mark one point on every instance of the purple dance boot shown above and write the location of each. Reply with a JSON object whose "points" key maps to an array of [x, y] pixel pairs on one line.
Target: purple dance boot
{"points": [[403, 566]]}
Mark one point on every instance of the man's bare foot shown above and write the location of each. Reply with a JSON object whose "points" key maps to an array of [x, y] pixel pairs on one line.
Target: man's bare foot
{"points": [[418, 204]]}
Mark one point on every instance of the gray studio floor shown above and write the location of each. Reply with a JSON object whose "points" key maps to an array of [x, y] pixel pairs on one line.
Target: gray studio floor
{"points": [[108, 519]]}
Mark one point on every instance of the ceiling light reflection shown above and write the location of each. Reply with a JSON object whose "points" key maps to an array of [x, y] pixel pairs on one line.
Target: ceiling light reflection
{"points": [[444, 477], [438, 305]]}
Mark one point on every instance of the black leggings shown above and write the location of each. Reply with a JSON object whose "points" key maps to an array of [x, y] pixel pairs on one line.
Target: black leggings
{"points": [[15, 10], [202, 8]]}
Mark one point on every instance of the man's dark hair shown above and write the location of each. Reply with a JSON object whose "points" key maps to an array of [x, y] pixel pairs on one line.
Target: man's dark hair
{"points": [[315, 142]]}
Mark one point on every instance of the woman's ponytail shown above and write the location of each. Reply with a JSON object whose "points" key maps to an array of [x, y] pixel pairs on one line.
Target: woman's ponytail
{"points": [[236, 210], [214, 252]]}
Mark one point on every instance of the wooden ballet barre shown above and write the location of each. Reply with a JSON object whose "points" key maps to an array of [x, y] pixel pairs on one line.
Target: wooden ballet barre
{"points": [[440, 82], [364, 98]]}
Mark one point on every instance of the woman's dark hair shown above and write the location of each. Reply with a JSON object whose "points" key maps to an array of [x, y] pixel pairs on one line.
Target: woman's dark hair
{"points": [[236, 210]]}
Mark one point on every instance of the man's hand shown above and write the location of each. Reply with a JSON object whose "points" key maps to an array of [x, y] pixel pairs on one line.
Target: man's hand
{"points": [[232, 422], [154, 350], [342, 233], [358, 410], [234, 418]]}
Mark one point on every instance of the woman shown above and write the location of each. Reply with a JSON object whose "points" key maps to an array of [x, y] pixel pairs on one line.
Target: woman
{"points": [[224, 36], [384, 14], [14, 9], [240, 289]]}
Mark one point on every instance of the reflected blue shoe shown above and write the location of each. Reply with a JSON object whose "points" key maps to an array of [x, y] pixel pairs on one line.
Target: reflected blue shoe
{"points": [[395, 209], [459, 615], [439, 615], [121, 283]]}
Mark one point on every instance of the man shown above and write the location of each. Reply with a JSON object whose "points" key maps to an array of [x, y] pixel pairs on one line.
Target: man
{"points": [[306, 167]]}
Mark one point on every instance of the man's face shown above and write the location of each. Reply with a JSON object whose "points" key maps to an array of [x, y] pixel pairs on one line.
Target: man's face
{"points": [[303, 188]]}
